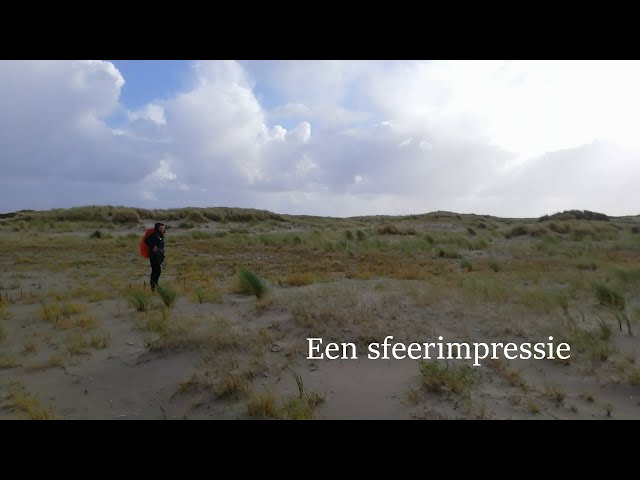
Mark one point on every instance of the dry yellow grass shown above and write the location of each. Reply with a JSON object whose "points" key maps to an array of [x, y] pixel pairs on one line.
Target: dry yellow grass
{"points": [[29, 407], [299, 279], [262, 405]]}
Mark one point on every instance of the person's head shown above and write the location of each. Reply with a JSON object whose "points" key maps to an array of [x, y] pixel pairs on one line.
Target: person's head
{"points": [[160, 228]]}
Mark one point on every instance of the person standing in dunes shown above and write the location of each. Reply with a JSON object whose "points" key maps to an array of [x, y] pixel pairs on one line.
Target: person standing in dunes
{"points": [[155, 242]]}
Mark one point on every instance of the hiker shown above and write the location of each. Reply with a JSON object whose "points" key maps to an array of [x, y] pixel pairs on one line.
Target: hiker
{"points": [[155, 242]]}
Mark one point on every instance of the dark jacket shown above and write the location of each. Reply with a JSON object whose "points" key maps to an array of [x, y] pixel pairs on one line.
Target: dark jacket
{"points": [[155, 240]]}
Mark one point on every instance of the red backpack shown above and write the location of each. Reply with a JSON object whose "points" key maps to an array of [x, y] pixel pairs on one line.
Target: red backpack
{"points": [[144, 248]]}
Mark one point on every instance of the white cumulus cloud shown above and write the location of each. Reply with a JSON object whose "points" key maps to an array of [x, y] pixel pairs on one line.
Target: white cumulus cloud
{"points": [[328, 137]]}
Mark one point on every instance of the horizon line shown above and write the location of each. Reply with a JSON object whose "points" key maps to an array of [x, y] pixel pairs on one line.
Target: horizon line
{"points": [[15, 212]]}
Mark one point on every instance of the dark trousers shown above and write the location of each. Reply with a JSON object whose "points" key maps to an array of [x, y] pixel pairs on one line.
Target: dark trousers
{"points": [[156, 270]]}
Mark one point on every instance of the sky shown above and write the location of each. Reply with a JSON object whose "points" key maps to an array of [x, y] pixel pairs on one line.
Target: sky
{"points": [[333, 138]]}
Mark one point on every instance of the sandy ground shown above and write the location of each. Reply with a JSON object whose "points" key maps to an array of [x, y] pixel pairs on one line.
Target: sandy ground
{"points": [[65, 369]]}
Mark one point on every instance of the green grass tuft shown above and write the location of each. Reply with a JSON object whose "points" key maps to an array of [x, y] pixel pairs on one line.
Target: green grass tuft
{"points": [[139, 299], [168, 294], [251, 284], [607, 295], [437, 377]]}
